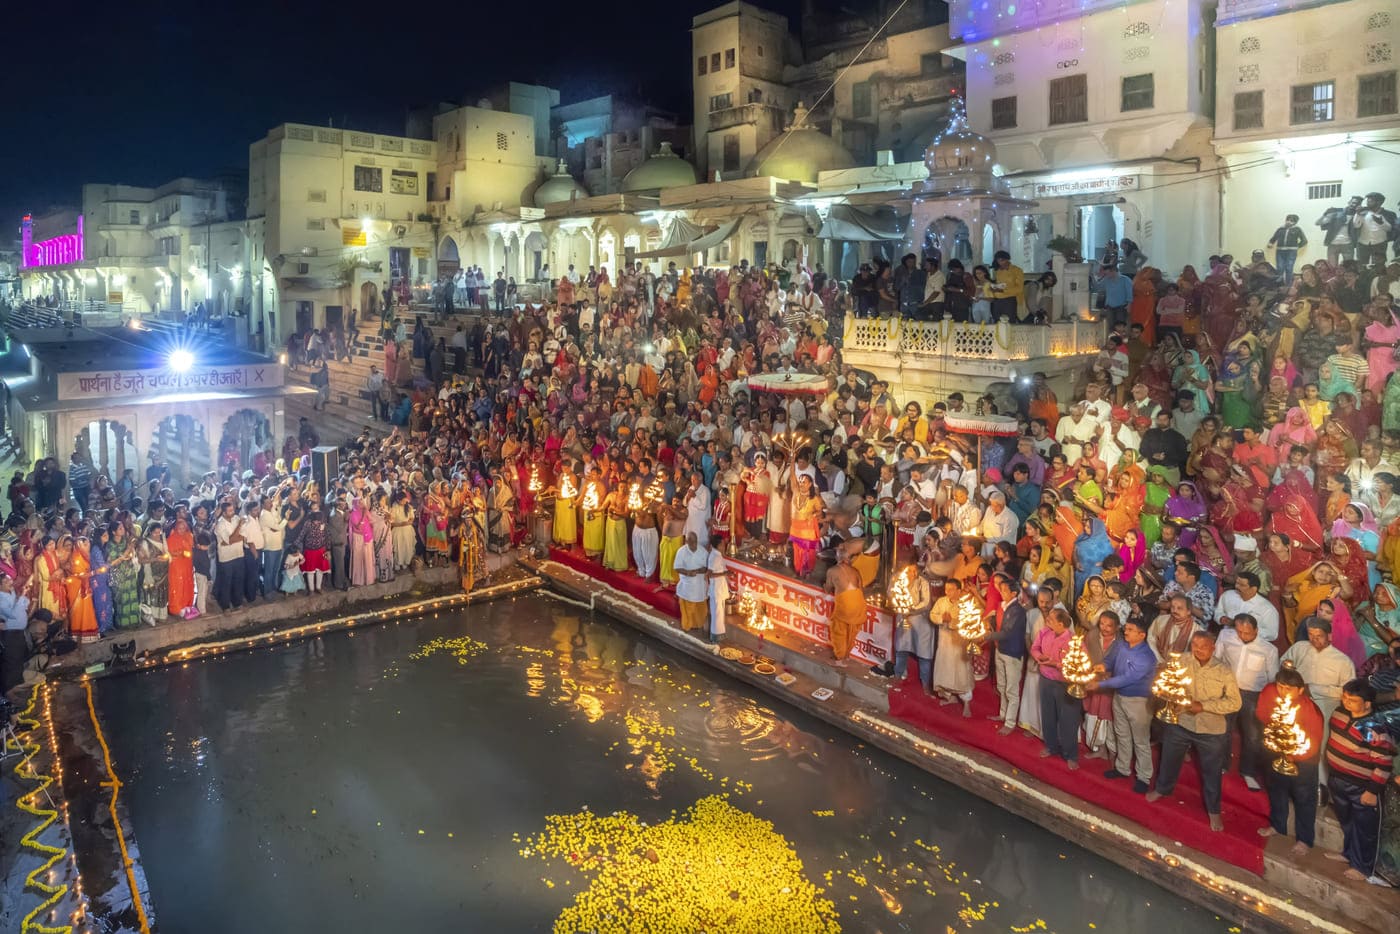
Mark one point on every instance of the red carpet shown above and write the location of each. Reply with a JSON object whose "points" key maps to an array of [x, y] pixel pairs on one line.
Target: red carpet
{"points": [[1180, 817], [626, 581]]}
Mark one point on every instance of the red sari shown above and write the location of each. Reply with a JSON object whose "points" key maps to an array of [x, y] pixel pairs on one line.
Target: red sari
{"points": [[1143, 310], [1293, 512]]}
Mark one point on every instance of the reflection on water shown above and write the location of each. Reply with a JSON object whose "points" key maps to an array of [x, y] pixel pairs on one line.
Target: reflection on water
{"points": [[361, 782]]}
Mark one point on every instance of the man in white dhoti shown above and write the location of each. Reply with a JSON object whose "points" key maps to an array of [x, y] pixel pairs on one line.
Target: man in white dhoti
{"points": [[697, 508]]}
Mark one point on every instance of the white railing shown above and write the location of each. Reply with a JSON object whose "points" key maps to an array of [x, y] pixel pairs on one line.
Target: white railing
{"points": [[968, 341]]}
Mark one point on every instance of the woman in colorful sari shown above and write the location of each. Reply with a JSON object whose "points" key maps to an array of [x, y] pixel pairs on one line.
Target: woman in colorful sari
{"points": [[804, 530], [1156, 493], [48, 568], [1093, 598], [1379, 339], [1305, 590], [1156, 375], [1238, 390], [124, 574], [1185, 508], [181, 545], [1192, 376], [1379, 624], [1143, 309], [155, 569], [1133, 551], [1330, 382], [1335, 494], [435, 524], [1295, 430], [1347, 557], [1219, 305], [1358, 524], [1124, 509], [1214, 556], [102, 605], [1090, 548], [82, 616], [1292, 507]]}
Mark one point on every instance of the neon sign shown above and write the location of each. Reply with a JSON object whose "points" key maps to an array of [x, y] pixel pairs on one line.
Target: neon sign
{"points": [[67, 248]]}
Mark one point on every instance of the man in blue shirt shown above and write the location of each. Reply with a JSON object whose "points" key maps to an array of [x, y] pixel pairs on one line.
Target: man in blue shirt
{"points": [[1131, 667], [1010, 639], [14, 613], [1117, 293]]}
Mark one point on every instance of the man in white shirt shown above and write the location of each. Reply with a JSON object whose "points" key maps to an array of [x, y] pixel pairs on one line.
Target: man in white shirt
{"points": [[1255, 663], [1095, 406], [1325, 667], [998, 523], [274, 528], [228, 583], [1246, 598], [697, 507], [692, 565], [251, 529], [704, 430], [1371, 227], [1074, 430]]}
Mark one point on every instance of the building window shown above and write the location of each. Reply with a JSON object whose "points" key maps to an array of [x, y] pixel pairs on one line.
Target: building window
{"points": [[1249, 45], [1249, 110], [1324, 191], [702, 65], [760, 51], [135, 217], [1004, 112], [1137, 92], [728, 58], [1375, 94], [1069, 99], [1313, 103], [731, 152], [930, 64], [502, 141], [860, 100], [315, 223], [369, 178], [714, 62], [721, 101]]}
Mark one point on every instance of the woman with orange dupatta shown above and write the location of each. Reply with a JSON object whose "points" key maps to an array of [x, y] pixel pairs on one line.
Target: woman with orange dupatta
{"points": [[82, 615], [1143, 309], [180, 542], [1122, 514]]}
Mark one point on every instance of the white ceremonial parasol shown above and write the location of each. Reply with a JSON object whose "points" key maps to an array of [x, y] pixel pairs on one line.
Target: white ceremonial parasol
{"points": [[789, 384]]}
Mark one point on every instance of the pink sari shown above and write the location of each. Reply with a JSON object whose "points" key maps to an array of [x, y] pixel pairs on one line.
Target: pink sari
{"points": [[1381, 360], [1132, 557]]}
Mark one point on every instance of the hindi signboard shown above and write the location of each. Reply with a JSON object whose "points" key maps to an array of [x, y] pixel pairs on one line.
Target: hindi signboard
{"points": [[803, 609], [1103, 184], [114, 384]]}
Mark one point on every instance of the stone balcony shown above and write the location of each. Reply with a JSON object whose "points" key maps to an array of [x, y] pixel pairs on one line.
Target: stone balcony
{"points": [[942, 356]]}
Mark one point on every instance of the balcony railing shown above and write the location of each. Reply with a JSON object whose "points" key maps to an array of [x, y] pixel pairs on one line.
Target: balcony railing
{"points": [[967, 341]]}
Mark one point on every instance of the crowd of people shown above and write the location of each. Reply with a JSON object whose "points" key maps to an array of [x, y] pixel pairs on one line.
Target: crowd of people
{"points": [[1218, 488]]}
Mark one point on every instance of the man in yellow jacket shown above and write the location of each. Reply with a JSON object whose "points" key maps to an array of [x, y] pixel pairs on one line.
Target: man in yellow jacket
{"points": [[1010, 288]]}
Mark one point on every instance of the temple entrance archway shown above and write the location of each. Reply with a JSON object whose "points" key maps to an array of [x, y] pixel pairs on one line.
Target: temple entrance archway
{"points": [[108, 446]]}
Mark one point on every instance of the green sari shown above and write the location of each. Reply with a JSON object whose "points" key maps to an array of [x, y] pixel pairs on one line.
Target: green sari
{"points": [[122, 579], [1154, 506]]}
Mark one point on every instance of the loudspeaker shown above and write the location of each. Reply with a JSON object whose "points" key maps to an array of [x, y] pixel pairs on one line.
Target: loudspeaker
{"points": [[325, 466]]}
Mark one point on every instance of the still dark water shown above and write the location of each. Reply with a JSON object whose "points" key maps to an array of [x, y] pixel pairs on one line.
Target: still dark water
{"points": [[357, 783]]}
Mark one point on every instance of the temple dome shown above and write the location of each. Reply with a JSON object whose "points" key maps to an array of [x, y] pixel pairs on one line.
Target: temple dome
{"points": [[665, 169], [800, 154], [559, 187], [959, 149]]}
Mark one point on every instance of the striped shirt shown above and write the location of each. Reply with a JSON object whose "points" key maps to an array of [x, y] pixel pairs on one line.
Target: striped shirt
{"points": [[1354, 758], [79, 475], [1351, 367]]}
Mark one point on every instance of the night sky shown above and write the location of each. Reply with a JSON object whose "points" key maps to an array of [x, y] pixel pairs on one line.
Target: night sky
{"points": [[145, 92]]}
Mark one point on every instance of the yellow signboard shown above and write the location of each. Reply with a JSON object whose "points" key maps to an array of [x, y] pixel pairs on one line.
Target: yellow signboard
{"points": [[421, 252], [353, 236], [114, 297]]}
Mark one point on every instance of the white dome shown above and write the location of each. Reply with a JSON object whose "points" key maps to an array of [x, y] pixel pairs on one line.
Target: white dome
{"points": [[559, 187], [958, 149], [663, 170], [800, 154]]}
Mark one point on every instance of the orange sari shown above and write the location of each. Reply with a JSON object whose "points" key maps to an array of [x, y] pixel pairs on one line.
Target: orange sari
{"points": [[1143, 310], [82, 616], [181, 546]]}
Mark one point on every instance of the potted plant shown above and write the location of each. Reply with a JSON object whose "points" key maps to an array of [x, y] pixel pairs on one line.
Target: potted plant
{"points": [[1067, 247]]}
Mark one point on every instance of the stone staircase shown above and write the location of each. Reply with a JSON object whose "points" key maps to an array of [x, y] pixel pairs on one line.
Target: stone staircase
{"points": [[348, 410]]}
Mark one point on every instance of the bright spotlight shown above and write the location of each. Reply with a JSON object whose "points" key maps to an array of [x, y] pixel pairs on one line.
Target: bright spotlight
{"points": [[181, 360]]}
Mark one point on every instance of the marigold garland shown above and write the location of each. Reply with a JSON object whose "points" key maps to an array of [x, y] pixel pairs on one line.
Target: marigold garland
{"points": [[26, 771]]}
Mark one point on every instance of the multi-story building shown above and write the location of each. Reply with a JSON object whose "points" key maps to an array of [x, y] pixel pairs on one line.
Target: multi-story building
{"points": [[603, 138], [1101, 112], [335, 216], [1306, 112], [137, 251]]}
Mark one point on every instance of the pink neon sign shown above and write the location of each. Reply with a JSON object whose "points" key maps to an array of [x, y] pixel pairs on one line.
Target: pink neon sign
{"points": [[55, 251]]}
